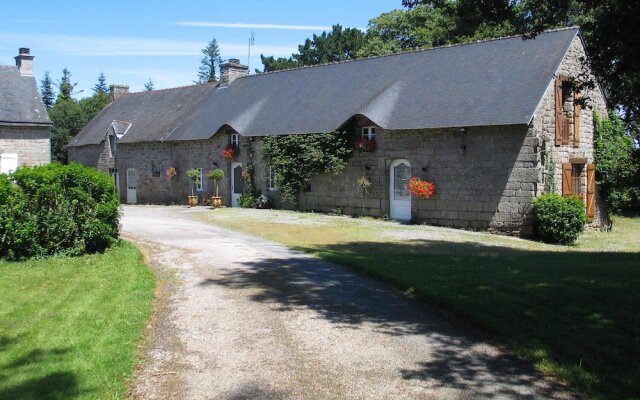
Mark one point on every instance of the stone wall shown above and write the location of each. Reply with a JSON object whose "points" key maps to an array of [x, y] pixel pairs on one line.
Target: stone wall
{"points": [[31, 143]]}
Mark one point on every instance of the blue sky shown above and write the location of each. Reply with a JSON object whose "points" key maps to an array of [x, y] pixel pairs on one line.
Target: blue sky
{"points": [[132, 41]]}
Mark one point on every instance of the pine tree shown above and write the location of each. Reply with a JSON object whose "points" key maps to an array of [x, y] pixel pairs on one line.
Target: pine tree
{"points": [[149, 86], [209, 63], [101, 86], [46, 90], [65, 86]]}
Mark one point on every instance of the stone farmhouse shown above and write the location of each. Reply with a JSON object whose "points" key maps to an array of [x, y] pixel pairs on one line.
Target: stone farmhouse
{"points": [[492, 123], [25, 127]]}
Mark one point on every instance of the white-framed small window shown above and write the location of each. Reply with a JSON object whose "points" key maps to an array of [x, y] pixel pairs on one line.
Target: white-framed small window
{"points": [[235, 139], [113, 145], [271, 179], [369, 133], [199, 187]]}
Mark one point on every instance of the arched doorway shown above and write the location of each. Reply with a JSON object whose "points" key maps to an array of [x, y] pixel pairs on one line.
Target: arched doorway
{"points": [[399, 196]]}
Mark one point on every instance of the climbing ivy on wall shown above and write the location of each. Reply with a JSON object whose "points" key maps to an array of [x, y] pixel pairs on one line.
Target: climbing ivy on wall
{"points": [[296, 159]]}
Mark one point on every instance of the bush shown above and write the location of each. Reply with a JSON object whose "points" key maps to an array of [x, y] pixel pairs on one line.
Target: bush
{"points": [[248, 200], [56, 209], [558, 219]]}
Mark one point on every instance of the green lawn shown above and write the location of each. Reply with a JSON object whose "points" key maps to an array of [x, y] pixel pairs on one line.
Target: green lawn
{"points": [[573, 311], [70, 327]]}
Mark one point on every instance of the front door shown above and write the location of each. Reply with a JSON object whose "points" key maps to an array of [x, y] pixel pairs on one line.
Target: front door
{"points": [[236, 184], [399, 196], [132, 185]]}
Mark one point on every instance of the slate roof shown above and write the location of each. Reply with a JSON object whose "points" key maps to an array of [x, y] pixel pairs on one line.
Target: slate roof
{"points": [[152, 115], [20, 101], [494, 82]]}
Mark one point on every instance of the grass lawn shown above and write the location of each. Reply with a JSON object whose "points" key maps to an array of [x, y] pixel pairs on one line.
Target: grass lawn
{"points": [[573, 311], [70, 327]]}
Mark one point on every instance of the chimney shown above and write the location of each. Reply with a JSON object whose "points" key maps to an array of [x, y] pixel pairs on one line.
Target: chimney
{"points": [[24, 62], [231, 70], [117, 91]]}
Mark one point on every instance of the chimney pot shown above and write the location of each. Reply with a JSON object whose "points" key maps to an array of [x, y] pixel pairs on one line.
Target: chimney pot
{"points": [[24, 50], [24, 62]]}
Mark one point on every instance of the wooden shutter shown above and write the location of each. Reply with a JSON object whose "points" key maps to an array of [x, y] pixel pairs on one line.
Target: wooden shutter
{"points": [[567, 182], [591, 191], [558, 90], [576, 120]]}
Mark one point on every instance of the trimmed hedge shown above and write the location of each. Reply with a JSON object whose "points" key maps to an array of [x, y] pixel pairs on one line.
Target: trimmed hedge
{"points": [[57, 210], [557, 219]]}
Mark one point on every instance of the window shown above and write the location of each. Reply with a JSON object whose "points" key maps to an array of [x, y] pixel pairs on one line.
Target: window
{"points": [[271, 179], [8, 163], [235, 139], [575, 184], [369, 133], [155, 170], [567, 113], [199, 183], [112, 145], [577, 177]]}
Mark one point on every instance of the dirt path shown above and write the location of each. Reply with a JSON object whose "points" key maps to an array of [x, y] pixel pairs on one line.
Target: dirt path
{"points": [[251, 319]]}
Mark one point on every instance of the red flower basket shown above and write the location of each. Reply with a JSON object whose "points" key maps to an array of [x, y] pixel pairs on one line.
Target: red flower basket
{"points": [[367, 145], [229, 152], [421, 189], [171, 172]]}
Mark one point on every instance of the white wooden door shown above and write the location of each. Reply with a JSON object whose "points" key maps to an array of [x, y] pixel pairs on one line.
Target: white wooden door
{"points": [[236, 184], [399, 196], [132, 186], [8, 163]]}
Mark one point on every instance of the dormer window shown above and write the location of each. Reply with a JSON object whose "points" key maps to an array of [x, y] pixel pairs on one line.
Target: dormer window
{"points": [[235, 139], [369, 133]]}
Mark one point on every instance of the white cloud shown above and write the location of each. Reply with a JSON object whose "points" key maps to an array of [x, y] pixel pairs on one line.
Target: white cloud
{"points": [[91, 46], [253, 26]]}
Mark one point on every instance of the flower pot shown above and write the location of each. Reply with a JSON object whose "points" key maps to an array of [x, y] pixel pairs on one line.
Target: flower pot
{"points": [[217, 201], [193, 201]]}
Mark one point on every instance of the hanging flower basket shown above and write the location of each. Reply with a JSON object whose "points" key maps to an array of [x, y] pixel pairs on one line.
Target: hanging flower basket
{"points": [[421, 189], [230, 151], [366, 145], [171, 172]]}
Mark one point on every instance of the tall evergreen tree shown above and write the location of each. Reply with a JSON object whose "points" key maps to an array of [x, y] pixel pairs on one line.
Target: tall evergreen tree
{"points": [[65, 87], [46, 90], [101, 85], [210, 63], [149, 86]]}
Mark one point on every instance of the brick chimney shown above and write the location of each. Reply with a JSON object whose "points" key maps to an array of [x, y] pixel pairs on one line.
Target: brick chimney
{"points": [[231, 70], [24, 62], [117, 91]]}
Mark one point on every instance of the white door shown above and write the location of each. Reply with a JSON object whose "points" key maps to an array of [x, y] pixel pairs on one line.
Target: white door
{"points": [[236, 184], [399, 196], [132, 185], [8, 163]]}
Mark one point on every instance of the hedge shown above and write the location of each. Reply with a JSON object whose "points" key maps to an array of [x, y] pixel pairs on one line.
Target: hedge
{"points": [[57, 210], [557, 219]]}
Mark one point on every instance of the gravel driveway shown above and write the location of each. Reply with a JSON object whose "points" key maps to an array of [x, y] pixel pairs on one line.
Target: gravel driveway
{"points": [[245, 318]]}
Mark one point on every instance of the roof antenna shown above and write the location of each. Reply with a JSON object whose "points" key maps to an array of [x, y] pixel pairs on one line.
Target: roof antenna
{"points": [[252, 40]]}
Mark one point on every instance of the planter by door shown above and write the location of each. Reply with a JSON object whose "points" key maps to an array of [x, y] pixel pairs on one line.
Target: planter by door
{"points": [[132, 183], [236, 184], [399, 196]]}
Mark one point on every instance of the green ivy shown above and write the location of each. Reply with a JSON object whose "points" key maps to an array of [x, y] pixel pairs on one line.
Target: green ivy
{"points": [[298, 158]]}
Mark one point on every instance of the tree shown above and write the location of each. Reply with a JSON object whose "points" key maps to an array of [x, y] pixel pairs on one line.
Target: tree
{"points": [[338, 45], [101, 85], [149, 86], [210, 63], [65, 87], [46, 90]]}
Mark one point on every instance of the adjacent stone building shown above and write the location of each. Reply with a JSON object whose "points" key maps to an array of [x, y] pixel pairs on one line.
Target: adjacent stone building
{"points": [[25, 127], [492, 123]]}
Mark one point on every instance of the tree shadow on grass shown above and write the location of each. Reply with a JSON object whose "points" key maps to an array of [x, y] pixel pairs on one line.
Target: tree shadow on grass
{"points": [[570, 307], [21, 377]]}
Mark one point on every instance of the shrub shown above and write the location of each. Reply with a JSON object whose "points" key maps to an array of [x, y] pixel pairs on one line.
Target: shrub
{"points": [[264, 201], [248, 200], [558, 219], [56, 209]]}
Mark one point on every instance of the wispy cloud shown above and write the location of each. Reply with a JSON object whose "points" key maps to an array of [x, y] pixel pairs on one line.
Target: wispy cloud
{"points": [[88, 46], [236, 25]]}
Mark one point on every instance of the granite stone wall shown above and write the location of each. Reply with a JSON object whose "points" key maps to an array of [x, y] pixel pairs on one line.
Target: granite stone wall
{"points": [[32, 144]]}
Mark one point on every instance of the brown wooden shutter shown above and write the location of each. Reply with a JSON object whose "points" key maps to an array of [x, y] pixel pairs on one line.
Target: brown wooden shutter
{"points": [[558, 90], [591, 191], [567, 182], [576, 120]]}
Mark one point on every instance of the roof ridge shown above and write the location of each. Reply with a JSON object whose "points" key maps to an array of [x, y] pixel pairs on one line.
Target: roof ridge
{"points": [[412, 51], [212, 84]]}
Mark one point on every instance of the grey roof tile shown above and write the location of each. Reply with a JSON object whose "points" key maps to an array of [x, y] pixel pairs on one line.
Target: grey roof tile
{"points": [[20, 101]]}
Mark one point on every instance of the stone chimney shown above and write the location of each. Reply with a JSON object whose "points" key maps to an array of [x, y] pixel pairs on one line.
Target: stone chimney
{"points": [[117, 91], [24, 62], [231, 70]]}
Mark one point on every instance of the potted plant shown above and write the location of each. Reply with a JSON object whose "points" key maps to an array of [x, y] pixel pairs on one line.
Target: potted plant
{"points": [[230, 151], [171, 173], [216, 176], [194, 175], [421, 189]]}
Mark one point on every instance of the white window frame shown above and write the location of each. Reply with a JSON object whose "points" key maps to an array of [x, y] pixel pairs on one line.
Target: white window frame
{"points": [[271, 179], [113, 145], [369, 133], [200, 187], [235, 139]]}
